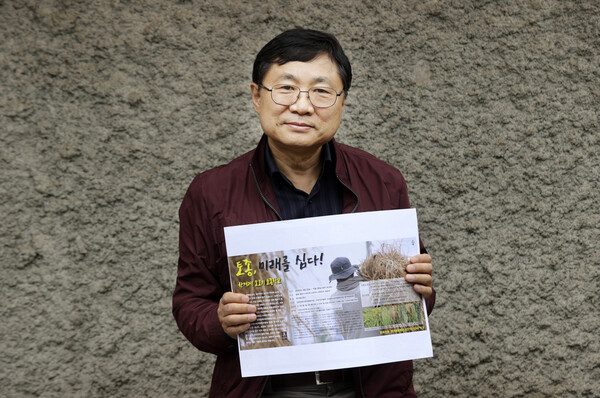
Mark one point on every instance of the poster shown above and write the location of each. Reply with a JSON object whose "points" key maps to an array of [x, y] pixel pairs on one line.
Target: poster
{"points": [[330, 292]]}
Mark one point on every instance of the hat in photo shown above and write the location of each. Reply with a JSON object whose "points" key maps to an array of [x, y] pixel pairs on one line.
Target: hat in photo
{"points": [[341, 268]]}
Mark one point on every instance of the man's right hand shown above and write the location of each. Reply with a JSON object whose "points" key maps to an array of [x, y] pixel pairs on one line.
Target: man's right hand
{"points": [[235, 314]]}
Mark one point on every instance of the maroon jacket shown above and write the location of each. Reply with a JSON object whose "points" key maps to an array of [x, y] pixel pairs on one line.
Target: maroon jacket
{"points": [[240, 193]]}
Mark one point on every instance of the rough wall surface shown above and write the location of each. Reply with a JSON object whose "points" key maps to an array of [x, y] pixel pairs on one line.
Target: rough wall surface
{"points": [[109, 108]]}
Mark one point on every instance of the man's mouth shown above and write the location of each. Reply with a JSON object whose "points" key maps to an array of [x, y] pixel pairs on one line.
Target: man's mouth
{"points": [[299, 125]]}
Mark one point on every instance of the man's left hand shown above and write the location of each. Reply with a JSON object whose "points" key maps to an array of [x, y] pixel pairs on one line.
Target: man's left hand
{"points": [[419, 273]]}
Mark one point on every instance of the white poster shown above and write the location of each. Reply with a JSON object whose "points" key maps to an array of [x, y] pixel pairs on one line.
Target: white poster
{"points": [[330, 292]]}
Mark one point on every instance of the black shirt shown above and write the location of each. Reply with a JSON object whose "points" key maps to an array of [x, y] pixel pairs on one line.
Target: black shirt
{"points": [[324, 199]]}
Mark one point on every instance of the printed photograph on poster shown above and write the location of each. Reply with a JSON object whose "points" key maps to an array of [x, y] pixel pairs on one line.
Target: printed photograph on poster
{"points": [[317, 295], [343, 291]]}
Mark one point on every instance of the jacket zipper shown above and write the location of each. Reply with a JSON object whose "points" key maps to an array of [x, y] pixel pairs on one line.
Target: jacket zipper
{"points": [[262, 195], [349, 189], [262, 390], [362, 393]]}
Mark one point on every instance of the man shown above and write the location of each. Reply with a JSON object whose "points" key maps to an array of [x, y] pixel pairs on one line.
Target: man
{"points": [[299, 86]]}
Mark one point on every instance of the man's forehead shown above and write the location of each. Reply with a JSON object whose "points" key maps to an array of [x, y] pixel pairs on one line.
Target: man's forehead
{"points": [[316, 79], [318, 70]]}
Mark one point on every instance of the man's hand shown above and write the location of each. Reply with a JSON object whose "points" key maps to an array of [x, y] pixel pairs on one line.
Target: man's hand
{"points": [[419, 273], [235, 314]]}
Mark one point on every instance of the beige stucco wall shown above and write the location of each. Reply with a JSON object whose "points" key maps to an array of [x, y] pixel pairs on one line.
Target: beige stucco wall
{"points": [[109, 108]]}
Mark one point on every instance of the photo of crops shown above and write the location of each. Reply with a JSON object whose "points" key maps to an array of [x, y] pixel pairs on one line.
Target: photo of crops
{"points": [[387, 263], [272, 325], [398, 315]]}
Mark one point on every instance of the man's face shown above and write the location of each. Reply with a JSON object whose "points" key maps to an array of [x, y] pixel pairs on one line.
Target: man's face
{"points": [[299, 127]]}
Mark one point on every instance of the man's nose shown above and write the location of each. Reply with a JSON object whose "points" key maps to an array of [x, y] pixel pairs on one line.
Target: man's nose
{"points": [[302, 104]]}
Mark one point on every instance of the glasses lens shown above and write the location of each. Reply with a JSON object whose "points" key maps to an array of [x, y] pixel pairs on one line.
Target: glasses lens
{"points": [[285, 95], [322, 97]]}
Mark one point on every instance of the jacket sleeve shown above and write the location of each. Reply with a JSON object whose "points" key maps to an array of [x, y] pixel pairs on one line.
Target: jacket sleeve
{"points": [[198, 290]]}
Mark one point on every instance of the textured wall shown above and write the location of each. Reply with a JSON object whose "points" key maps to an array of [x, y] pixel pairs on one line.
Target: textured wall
{"points": [[109, 108]]}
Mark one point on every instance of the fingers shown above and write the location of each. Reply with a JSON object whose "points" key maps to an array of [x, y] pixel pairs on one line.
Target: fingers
{"points": [[235, 313], [425, 291], [420, 264], [420, 279], [420, 258], [419, 273], [421, 283], [230, 297], [420, 268], [234, 325]]}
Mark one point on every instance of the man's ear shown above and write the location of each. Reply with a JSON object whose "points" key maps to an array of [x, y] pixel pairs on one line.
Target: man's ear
{"points": [[256, 98], [343, 97]]}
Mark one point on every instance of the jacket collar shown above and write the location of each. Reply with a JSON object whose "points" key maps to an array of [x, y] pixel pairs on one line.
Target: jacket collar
{"points": [[259, 168], [326, 156]]}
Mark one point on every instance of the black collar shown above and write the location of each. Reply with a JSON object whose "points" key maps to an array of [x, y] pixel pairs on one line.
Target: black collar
{"points": [[326, 160]]}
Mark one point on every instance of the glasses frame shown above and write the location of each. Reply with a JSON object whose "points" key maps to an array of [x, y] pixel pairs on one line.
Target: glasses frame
{"points": [[300, 92]]}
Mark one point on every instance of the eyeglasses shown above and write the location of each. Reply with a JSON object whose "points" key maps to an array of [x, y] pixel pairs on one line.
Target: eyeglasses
{"points": [[319, 97]]}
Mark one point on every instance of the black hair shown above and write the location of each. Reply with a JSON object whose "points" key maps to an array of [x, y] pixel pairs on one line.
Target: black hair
{"points": [[301, 45]]}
